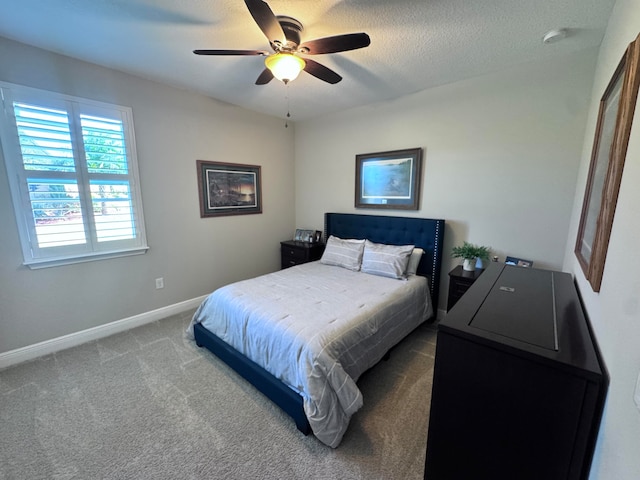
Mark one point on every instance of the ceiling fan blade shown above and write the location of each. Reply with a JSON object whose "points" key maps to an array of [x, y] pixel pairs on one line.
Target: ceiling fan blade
{"points": [[338, 43], [231, 52], [266, 20], [265, 77], [320, 71]]}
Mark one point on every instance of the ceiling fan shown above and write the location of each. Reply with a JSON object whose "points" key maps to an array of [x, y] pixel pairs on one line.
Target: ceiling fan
{"points": [[283, 34]]}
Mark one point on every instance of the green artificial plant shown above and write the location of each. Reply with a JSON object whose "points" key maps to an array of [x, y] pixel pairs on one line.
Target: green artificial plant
{"points": [[469, 251]]}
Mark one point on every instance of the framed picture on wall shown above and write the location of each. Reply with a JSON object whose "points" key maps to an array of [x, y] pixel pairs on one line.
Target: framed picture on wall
{"points": [[608, 155], [228, 188], [389, 180]]}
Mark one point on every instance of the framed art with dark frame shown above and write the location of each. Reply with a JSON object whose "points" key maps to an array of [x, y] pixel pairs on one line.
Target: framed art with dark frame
{"points": [[613, 128], [389, 180], [229, 189]]}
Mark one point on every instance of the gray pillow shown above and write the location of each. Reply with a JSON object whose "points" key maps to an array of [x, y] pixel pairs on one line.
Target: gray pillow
{"points": [[414, 261], [386, 260], [345, 253]]}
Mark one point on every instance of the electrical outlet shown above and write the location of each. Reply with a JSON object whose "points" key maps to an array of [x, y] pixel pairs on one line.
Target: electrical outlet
{"points": [[636, 395], [159, 283]]}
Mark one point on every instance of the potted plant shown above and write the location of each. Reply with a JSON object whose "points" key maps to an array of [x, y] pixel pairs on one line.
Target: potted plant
{"points": [[470, 253]]}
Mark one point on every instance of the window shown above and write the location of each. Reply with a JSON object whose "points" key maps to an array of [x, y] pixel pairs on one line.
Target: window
{"points": [[73, 175]]}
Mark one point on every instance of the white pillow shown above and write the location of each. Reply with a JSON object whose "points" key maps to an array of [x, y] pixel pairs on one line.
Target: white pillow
{"points": [[414, 260], [386, 260], [345, 253]]}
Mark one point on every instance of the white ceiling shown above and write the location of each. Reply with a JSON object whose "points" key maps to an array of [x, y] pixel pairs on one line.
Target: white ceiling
{"points": [[415, 44]]}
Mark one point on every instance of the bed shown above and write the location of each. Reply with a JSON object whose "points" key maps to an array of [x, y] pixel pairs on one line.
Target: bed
{"points": [[306, 350]]}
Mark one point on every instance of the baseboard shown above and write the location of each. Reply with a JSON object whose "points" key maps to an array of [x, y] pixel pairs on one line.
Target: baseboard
{"points": [[31, 352]]}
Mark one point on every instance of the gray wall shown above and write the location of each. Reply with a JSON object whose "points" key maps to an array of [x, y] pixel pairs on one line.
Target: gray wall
{"points": [[173, 129], [501, 156]]}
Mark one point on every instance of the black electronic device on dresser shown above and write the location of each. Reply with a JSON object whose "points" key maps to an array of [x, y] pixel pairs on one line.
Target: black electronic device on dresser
{"points": [[519, 385], [293, 252], [459, 282]]}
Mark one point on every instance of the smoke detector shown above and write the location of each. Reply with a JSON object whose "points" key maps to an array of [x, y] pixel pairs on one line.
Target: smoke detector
{"points": [[553, 36]]}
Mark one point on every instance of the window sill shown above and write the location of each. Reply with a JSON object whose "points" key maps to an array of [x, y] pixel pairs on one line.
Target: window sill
{"points": [[56, 262]]}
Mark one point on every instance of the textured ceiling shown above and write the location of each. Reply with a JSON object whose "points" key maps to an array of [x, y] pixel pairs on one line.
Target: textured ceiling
{"points": [[415, 44]]}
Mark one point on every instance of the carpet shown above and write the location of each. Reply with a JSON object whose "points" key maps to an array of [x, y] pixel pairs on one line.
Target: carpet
{"points": [[149, 404]]}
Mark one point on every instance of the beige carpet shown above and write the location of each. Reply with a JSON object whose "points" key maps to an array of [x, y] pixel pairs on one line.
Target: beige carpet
{"points": [[149, 404]]}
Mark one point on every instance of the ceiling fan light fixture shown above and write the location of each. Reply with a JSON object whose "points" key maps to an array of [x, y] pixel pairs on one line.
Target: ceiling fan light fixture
{"points": [[285, 66]]}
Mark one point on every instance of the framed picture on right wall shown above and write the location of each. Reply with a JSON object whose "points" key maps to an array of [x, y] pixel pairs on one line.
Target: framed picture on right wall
{"points": [[615, 117]]}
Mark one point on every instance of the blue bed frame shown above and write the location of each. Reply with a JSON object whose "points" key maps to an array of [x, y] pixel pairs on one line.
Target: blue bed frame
{"points": [[425, 233]]}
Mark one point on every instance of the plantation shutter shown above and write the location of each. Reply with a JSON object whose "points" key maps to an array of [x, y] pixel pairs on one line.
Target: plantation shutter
{"points": [[73, 176]]}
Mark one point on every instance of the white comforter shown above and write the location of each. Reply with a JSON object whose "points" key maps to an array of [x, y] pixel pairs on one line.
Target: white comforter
{"points": [[317, 328]]}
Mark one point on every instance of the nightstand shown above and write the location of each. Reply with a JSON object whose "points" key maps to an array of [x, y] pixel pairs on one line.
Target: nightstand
{"points": [[459, 282], [296, 253]]}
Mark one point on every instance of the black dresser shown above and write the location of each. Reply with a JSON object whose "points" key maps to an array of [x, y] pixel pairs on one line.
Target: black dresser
{"points": [[519, 386]]}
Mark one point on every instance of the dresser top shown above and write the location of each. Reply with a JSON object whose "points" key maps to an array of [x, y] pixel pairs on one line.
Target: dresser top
{"points": [[533, 312]]}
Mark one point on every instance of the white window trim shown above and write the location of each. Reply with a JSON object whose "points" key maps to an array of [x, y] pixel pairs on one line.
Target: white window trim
{"points": [[19, 191]]}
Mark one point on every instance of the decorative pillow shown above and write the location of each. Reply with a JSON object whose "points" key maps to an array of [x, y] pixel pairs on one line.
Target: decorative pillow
{"points": [[386, 260], [414, 260], [345, 253]]}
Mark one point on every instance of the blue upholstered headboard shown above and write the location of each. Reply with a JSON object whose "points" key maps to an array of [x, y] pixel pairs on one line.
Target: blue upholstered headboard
{"points": [[425, 233]]}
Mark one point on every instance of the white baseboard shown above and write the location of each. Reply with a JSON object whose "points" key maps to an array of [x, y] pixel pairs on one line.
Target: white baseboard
{"points": [[31, 352]]}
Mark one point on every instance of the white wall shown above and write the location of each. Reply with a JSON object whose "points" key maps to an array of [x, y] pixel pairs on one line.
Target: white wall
{"points": [[501, 155], [173, 129], [615, 311]]}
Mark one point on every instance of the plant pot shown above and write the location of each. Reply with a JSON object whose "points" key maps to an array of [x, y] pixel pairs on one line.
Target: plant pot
{"points": [[469, 264]]}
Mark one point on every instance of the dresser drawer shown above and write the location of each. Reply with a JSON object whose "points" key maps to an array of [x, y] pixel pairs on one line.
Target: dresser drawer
{"points": [[459, 283], [287, 261], [294, 253], [459, 287]]}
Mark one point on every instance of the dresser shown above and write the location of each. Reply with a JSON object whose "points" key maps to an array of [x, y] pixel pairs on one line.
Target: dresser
{"points": [[295, 253], [519, 385]]}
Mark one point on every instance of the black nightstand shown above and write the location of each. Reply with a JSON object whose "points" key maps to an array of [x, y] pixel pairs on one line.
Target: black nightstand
{"points": [[459, 282], [295, 253]]}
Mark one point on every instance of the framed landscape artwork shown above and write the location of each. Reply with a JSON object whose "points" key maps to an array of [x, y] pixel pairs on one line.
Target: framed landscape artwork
{"points": [[389, 180], [228, 189], [615, 117]]}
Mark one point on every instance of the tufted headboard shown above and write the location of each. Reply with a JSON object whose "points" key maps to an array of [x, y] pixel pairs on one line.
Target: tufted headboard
{"points": [[425, 233]]}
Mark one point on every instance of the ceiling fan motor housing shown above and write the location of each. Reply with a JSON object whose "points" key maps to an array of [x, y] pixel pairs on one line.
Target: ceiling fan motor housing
{"points": [[292, 29]]}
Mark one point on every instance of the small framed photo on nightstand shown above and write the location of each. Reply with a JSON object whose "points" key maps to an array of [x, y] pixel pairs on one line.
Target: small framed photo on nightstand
{"points": [[307, 236], [519, 262]]}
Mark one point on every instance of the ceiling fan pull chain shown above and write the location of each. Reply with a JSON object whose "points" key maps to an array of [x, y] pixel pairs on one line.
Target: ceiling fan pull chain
{"points": [[286, 122]]}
